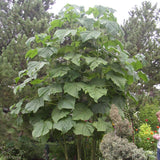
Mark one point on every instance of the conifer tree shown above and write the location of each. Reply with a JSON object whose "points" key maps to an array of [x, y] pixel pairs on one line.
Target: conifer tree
{"points": [[19, 20], [141, 38]]}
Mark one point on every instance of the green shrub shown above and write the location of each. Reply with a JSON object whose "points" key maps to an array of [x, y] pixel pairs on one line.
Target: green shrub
{"points": [[144, 137], [113, 147], [148, 113]]}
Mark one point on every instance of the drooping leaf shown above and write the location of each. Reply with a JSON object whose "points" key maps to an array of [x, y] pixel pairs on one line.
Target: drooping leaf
{"points": [[34, 105], [29, 41], [100, 125], [87, 35], [67, 103], [72, 88], [59, 114], [143, 76], [62, 33], [31, 53], [111, 26], [22, 85], [83, 128], [51, 89], [59, 72], [95, 62], [64, 125], [87, 22], [15, 109], [117, 79], [47, 52], [75, 58], [34, 67], [56, 23], [41, 128], [94, 91], [82, 112]]}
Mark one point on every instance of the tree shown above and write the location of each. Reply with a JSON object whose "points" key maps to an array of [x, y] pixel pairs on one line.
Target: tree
{"points": [[19, 20], [85, 70], [22, 17], [141, 38]]}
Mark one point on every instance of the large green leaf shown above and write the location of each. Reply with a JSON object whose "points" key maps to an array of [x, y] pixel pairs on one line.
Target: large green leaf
{"points": [[99, 108], [112, 27], [72, 88], [82, 112], [47, 52], [94, 91], [83, 128], [117, 79], [87, 35], [95, 62], [100, 125], [87, 22], [34, 67], [62, 33], [75, 58], [34, 105], [45, 92], [64, 125], [41, 128], [59, 72], [59, 114], [67, 103]]}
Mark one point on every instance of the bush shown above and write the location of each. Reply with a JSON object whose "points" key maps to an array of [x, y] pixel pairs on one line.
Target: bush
{"points": [[144, 137], [148, 113], [113, 147]]}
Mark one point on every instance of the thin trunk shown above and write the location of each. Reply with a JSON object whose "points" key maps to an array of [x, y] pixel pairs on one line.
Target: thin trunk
{"points": [[79, 147], [93, 149], [65, 149]]}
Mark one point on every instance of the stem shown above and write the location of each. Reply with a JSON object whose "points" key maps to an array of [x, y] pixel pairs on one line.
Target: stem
{"points": [[65, 149], [79, 147], [93, 149]]}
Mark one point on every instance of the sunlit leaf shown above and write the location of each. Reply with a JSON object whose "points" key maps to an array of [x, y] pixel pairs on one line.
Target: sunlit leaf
{"points": [[34, 105], [87, 35], [41, 128]]}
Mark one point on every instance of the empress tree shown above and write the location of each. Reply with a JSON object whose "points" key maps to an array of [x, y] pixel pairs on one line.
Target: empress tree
{"points": [[85, 70], [141, 38]]}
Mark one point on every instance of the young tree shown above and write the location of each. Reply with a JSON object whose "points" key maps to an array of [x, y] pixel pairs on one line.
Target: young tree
{"points": [[85, 70], [141, 38]]}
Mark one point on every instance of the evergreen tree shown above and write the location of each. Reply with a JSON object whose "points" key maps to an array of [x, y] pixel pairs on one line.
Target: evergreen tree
{"points": [[141, 38], [19, 20]]}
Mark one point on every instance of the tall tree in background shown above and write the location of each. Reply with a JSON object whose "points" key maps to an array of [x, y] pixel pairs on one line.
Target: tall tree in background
{"points": [[19, 20], [142, 38]]}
